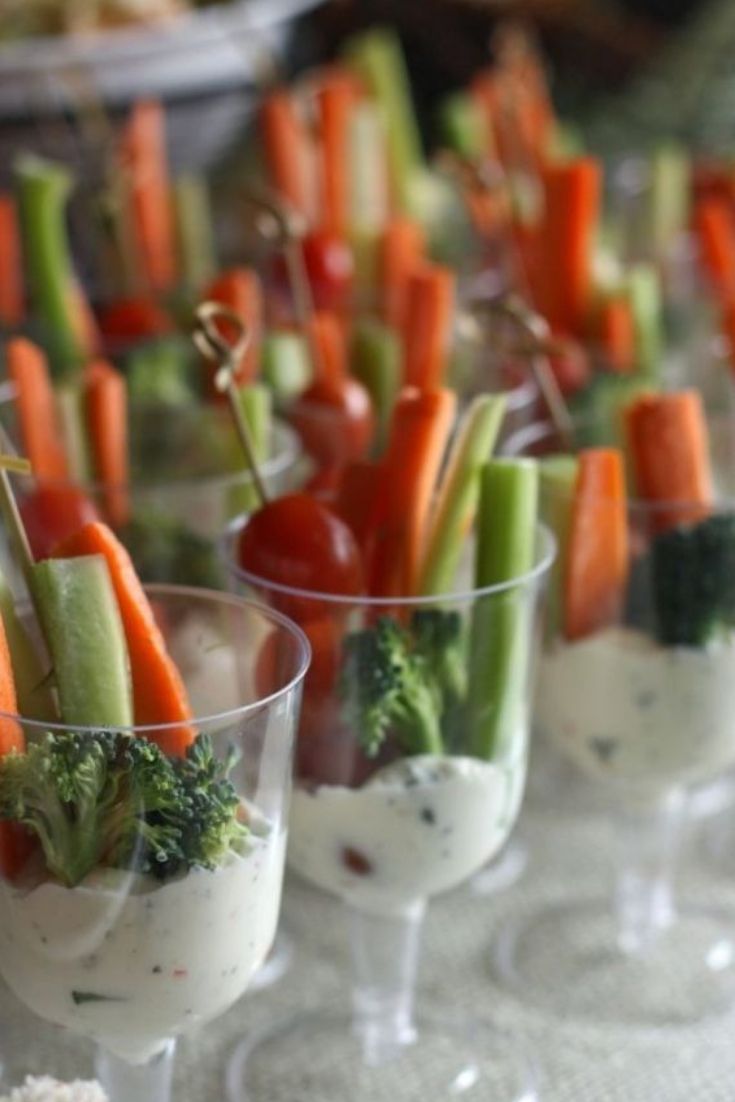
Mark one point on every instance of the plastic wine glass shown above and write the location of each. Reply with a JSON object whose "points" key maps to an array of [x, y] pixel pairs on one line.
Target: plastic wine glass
{"points": [[131, 961], [387, 833]]}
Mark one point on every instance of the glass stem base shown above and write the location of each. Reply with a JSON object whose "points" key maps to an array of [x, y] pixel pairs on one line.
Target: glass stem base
{"points": [[124, 1082]]}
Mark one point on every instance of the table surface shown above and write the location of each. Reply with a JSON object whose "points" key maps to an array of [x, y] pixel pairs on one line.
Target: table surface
{"points": [[571, 856]]}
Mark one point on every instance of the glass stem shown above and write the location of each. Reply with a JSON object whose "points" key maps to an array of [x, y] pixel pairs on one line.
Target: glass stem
{"points": [[644, 896], [385, 952], [124, 1082]]}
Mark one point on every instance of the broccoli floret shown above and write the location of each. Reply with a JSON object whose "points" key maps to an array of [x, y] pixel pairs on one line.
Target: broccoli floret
{"points": [[165, 550], [692, 573], [104, 798], [387, 689], [440, 639]]}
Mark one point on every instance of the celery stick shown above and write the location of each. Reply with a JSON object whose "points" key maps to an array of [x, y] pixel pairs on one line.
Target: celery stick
{"points": [[35, 698], [286, 364], [369, 199], [377, 57], [557, 479], [377, 362], [70, 406], [462, 126], [459, 491], [565, 142], [501, 629], [644, 295], [194, 229], [669, 198], [364, 242], [43, 193], [256, 402], [84, 632]]}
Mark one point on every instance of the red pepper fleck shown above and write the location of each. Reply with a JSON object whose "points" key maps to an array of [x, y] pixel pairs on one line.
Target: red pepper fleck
{"points": [[179, 972], [356, 862]]}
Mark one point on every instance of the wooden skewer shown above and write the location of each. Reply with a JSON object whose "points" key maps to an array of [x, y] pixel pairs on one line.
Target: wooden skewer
{"points": [[208, 338]]}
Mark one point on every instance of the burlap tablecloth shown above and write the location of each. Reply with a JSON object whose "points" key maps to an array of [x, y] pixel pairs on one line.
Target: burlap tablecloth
{"points": [[569, 856]]}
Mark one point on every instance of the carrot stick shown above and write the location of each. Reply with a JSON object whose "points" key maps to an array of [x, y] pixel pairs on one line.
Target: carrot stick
{"points": [[429, 317], [241, 290], [145, 165], [420, 428], [106, 399], [288, 149], [40, 430], [14, 844], [572, 207], [714, 227], [616, 334], [400, 252], [327, 339], [668, 443], [159, 696], [356, 497], [597, 551], [11, 269], [336, 98]]}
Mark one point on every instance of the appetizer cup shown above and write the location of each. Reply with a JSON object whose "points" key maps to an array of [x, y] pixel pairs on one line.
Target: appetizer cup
{"points": [[391, 810], [133, 952], [640, 706]]}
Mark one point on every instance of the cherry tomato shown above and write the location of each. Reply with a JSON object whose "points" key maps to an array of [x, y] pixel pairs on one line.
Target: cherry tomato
{"points": [[330, 267], [572, 371], [335, 420], [54, 513], [129, 320], [296, 541]]}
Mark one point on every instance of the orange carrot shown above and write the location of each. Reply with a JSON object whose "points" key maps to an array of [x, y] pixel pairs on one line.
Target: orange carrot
{"points": [[335, 100], [597, 552], [572, 208], [288, 150], [428, 330], [11, 269], [107, 424], [326, 337], [145, 165], [240, 289], [401, 250], [714, 226], [420, 428], [40, 430], [669, 449], [14, 844], [616, 334], [159, 696]]}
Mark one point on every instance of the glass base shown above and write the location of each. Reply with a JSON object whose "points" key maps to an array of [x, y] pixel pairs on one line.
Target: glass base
{"points": [[503, 872], [317, 1055], [275, 965], [566, 961]]}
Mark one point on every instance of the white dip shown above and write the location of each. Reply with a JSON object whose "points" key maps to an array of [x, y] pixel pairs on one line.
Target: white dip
{"points": [[625, 709], [418, 827], [129, 961]]}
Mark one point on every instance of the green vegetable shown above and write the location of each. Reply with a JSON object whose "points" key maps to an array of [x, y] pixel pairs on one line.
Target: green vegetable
{"points": [[462, 126], [81, 622], [164, 549], [691, 571], [440, 640], [459, 492], [501, 627], [194, 230], [377, 362], [644, 295], [43, 194], [111, 799], [70, 406], [377, 57], [159, 371], [35, 699], [369, 201], [669, 198], [286, 364], [256, 403], [388, 692], [557, 479]]}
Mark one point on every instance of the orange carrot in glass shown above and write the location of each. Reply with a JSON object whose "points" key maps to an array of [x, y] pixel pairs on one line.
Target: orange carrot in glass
{"points": [[400, 251], [668, 442], [335, 101], [714, 226], [15, 845], [597, 552], [288, 150], [616, 334], [240, 289], [106, 399], [428, 328], [159, 695], [40, 431], [420, 428]]}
